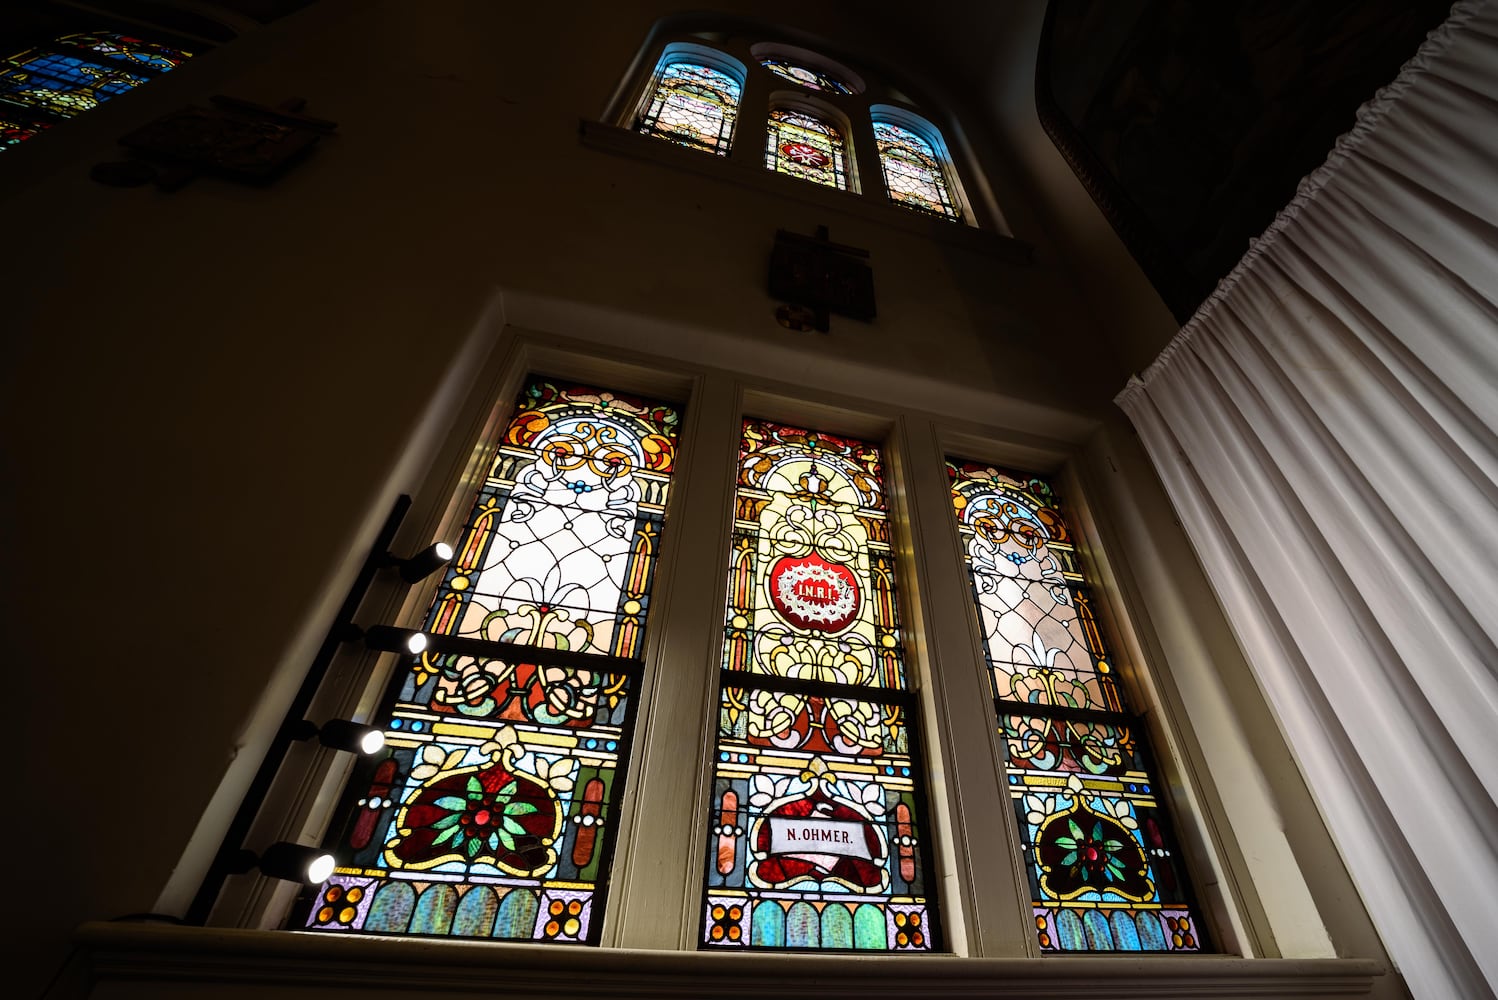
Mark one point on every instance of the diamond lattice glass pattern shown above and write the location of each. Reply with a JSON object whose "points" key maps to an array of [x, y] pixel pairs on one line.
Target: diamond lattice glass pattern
{"points": [[912, 171], [1104, 870], [692, 105], [491, 813], [816, 829]]}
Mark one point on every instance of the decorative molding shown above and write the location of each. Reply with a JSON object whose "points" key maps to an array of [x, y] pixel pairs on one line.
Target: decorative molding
{"points": [[138, 960]]}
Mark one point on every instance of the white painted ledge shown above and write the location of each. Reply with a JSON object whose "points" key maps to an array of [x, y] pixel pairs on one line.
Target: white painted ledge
{"points": [[145, 960]]}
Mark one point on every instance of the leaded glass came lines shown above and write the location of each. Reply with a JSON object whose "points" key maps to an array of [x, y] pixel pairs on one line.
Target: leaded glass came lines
{"points": [[492, 812], [692, 105], [817, 836], [1104, 870], [804, 146], [913, 171], [77, 72], [812, 79]]}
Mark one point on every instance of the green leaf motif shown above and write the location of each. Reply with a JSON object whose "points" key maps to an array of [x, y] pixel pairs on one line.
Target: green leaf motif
{"points": [[513, 825], [474, 787], [473, 848], [451, 803], [448, 835], [519, 808], [506, 839], [451, 819], [1066, 843], [1070, 858], [1097, 830], [1076, 831]]}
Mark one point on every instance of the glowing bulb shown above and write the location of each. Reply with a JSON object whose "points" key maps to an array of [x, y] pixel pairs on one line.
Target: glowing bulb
{"points": [[372, 743], [320, 867], [416, 643], [444, 551]]}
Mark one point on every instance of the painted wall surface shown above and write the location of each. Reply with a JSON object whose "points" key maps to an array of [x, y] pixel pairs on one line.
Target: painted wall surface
{"points": [[209, 395]]}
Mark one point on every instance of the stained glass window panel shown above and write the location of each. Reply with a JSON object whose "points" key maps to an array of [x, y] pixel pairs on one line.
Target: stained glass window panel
{"points": [[812, 79], [79, 71], [492, 811], [804, 146], [1104, 870], [816, 824], [692, 105], [812, 581], [913, 170]]}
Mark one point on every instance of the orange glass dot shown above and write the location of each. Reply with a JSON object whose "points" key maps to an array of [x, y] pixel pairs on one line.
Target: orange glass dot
{"points": [[1045, 940], [915, 920], [552, 927], [556, 908], [1177, 939], [347, 915], [717, 913], [1188, 941], [1040, 923], [717, 932], [572, 927], [900, 919], [735, 932], [334, 893], [902, 939], [355, 894], [325, 914], [735, 912], [918, 938], [575, 907]]}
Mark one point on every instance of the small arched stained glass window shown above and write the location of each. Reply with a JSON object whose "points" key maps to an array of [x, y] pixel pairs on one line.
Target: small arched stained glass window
{"points": [[913, 170], [76, 73], [805, 146], [814, 79], [692, 105]]}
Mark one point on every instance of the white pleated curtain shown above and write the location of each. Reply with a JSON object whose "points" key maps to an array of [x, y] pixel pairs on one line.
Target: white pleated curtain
{"points": [[1327, 429]]}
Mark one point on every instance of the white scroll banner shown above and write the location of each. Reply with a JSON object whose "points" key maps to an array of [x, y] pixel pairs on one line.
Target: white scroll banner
{"points": [[819, 841]]}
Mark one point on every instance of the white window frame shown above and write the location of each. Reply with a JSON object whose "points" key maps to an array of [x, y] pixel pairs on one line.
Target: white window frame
{"points": [[658, 863]]}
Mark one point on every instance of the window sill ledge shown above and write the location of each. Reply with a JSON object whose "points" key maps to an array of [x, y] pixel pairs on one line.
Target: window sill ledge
{"points": [[611, 139], [143, 960]]}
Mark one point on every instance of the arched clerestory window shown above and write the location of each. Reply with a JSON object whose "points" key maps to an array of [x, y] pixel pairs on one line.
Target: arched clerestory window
{"points": [[914, 169], [693, 99], [807, 146]]}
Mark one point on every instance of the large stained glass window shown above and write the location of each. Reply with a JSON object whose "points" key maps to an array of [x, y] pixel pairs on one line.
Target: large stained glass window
{"points": [[805, 146], [812, 79], [912, 170], [1105, 873], [492, 813], [692, 105], [816, 830], [72, 75]]}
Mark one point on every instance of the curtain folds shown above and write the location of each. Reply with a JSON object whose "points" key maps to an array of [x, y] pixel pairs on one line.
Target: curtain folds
{"points": [[1327, 428]]}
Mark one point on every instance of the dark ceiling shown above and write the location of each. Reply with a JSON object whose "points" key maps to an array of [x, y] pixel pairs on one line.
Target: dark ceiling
{"points": [[1191, 123]]}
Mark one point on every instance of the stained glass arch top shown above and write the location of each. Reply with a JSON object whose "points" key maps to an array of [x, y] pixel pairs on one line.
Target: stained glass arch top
{"points": [[693, 99], [914, 168], [807, 145]]}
